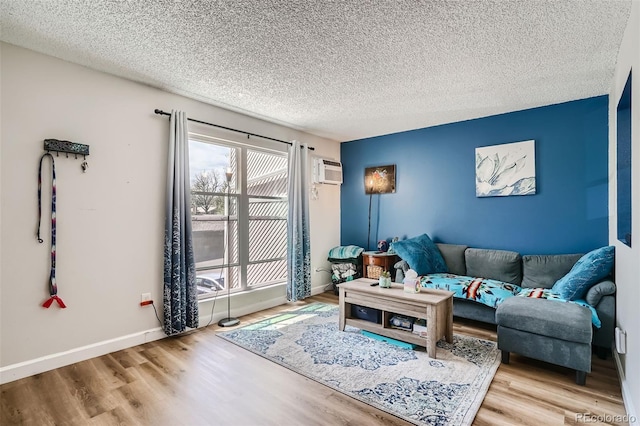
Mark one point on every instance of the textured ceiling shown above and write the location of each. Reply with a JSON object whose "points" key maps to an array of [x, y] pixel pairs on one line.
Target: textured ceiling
{"points": [[339, 69]]}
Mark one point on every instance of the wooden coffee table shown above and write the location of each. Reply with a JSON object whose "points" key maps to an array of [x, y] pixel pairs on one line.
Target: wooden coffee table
{"points": [[435, 306]]}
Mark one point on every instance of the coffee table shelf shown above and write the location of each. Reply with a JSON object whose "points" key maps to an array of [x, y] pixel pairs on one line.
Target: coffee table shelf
{"points": [[394, 333]]}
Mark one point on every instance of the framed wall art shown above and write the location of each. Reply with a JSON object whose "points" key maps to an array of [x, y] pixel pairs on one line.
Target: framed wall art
{"points": [[380, 179], [506, 169]]}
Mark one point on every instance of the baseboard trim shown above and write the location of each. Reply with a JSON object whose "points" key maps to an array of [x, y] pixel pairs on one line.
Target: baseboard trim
{"points": [[626, 395], [24, 369], [319, 289]]}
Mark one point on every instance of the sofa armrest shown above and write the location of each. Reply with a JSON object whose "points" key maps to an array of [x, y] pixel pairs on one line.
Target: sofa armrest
{"points": [[598, 291], [606, 310]]}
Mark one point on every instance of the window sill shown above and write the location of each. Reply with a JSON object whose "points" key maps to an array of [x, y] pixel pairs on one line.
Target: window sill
{"points": [[213, 296]]}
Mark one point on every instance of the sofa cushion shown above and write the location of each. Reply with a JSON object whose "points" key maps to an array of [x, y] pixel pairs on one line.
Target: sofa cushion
{"points": [[543, 317], [542, 271], [590, 269], [453, 255], [421, 254], [598, 291], [548, 294], [473, 310], [499, 265]]}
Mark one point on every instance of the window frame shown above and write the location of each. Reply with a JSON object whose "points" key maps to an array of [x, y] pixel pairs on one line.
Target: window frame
{"points": [[242, 211]]}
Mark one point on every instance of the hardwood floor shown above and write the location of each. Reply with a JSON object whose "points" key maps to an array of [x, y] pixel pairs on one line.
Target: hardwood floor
{"points": [[199, 379]]}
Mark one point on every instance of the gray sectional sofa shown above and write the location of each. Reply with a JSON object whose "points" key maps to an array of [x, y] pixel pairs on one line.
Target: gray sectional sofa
{"points": [[551, 331]]}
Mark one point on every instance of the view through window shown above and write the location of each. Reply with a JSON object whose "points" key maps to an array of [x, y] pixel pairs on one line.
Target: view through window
{"points": [[240, 226]]}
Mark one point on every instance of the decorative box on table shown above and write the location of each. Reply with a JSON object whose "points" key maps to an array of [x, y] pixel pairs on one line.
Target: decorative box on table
{"points": [[411, 285], [411, 282]]}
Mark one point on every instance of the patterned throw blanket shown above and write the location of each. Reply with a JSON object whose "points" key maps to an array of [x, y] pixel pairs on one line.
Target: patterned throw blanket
{"points": [[493, 292], [345, 252]]}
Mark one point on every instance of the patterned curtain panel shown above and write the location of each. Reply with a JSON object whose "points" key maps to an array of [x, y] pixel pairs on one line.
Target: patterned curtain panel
{"points": [[180, 291], [298, 252]]}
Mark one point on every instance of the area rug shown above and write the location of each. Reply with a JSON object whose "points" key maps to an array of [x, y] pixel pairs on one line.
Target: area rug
{"points": [[404, 382]]}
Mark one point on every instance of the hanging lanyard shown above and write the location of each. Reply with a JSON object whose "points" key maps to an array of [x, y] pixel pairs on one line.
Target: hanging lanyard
{"points": [[53, 287]]}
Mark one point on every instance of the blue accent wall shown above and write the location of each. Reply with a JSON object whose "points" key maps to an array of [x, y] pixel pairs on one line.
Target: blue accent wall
{"points": [[435, 183]]}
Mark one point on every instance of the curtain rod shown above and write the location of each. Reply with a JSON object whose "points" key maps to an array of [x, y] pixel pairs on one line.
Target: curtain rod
{"points": [[161, 112]]}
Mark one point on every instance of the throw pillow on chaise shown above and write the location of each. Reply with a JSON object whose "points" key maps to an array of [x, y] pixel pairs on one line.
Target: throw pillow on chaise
{"points": [[590, 269]]}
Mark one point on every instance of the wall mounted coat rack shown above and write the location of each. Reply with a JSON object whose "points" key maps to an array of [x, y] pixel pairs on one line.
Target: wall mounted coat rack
{"points": [[56, 145], [67, 147]]}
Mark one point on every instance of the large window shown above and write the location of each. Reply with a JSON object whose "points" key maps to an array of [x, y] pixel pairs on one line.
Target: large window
{"points": [[240, 226]]}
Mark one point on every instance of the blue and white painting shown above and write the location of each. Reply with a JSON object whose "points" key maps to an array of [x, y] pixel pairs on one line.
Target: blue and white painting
{"points": [[506, 169]]}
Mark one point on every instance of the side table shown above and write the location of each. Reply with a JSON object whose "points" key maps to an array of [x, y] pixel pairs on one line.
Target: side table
{"points": [[382, 259]]}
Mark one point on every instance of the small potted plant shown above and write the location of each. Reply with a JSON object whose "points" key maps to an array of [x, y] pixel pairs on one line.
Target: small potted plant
{"points": [[385, 279]]}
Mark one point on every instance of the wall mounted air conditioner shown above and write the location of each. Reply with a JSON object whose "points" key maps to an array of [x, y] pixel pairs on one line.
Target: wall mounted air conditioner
{"points": [[327, 171]]}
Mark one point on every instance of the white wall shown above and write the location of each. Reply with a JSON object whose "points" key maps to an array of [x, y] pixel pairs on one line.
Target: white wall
{"points": [[110, 219], [627, 259]]}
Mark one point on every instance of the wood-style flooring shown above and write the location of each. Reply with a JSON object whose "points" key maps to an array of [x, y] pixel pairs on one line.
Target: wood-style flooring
{"points": [[200, 379]]}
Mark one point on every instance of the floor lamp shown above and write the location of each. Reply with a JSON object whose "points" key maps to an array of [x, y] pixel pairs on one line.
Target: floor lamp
{"points": [[228, 321], [370, 196]]}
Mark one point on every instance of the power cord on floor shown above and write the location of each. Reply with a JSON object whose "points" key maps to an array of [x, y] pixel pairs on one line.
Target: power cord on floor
{"points": [[328, 286], [156, 312], [215, 297], [213, 305]]}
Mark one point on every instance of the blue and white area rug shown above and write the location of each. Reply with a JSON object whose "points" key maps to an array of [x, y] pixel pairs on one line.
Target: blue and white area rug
{"points": [[406, 383]]}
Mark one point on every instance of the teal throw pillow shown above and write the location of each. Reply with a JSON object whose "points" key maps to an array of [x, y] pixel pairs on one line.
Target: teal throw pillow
{"points": [[421, 254], [590, 269]]}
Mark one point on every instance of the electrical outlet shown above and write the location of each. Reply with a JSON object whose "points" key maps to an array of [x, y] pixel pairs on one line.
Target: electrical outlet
{"points": [[621, 340], [144, 297]]}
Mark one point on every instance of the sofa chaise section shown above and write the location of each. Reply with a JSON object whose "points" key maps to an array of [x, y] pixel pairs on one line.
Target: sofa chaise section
{"points": [[548, 330]]}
